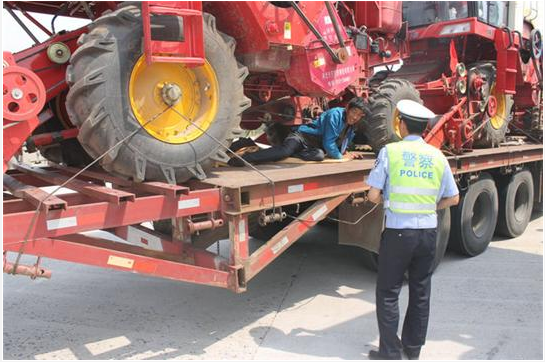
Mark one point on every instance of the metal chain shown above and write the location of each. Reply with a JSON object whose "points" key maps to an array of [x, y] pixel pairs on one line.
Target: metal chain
{"points": [[37, 211]]}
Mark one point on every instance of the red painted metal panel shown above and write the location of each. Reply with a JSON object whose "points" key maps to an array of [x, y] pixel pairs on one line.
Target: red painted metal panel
{"points": [[286, 237], [190, 49], [239, 236], [378, 16], [102, 215], [121, 260], [292, 192]]}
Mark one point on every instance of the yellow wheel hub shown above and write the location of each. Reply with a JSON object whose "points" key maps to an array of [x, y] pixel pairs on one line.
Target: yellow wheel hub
{"points": [[500, 117], [192, 92]]}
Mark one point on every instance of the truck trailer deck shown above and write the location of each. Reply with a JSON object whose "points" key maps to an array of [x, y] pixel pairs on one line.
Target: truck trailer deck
{"points": [[223, 205]]}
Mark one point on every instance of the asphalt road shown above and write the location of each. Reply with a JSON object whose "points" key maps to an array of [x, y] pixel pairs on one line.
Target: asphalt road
{"points": [[314, 302]]}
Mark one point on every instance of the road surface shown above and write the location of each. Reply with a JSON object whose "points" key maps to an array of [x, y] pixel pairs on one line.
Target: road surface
{"points": [[314, 302]]}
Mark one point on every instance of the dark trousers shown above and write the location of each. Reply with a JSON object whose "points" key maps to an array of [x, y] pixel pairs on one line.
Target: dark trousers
{"points": [[293, 145], [401, 250]]}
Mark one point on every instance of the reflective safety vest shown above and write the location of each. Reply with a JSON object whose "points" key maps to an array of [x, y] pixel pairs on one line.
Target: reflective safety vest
{"points": [[415, 172]]}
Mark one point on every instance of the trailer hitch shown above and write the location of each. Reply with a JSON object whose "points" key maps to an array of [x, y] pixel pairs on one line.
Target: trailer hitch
{"points": [[33, 271]]}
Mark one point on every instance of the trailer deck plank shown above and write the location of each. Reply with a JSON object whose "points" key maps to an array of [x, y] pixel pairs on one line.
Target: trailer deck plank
{"points": [[499, 150], [245, 177]]}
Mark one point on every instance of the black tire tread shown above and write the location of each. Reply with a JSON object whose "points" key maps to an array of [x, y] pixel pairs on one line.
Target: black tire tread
{"points": [[382, 104], [504, 226], [88, 68], [458, 242]]}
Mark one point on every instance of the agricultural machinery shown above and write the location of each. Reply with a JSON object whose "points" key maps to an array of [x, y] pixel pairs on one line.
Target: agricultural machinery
{"points": [[149, 96], [158, 90]]}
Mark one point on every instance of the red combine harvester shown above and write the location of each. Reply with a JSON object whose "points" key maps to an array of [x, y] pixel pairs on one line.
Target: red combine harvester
{"points": [[492, 82], [150, 95], [123, 73]]}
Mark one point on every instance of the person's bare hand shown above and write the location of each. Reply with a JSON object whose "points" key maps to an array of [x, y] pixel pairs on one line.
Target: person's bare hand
{"points": [[353, 155]]}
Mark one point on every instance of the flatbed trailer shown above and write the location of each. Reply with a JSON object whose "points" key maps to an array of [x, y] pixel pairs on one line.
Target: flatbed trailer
{"points": [[203, 212]]}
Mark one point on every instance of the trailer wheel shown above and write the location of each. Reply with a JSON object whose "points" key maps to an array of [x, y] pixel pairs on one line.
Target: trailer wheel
{"points": [[382, 124], [370, 258], [496, 126], [113, 93], [516, 202], [474, 218]]}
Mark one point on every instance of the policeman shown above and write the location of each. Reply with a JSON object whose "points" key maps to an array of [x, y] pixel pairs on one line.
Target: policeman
{"points": [[415, 180]]}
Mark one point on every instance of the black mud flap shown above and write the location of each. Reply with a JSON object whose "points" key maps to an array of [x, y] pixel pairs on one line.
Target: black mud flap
{"points": [[365, 234]]}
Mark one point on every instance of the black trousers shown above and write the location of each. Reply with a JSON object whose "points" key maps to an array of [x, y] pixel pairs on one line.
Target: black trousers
{"points": [[402, 250], [293, 145]]}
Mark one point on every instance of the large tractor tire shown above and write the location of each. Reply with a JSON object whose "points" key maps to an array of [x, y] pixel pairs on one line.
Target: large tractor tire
{"points": [[113, 93], [370, 258], [474, 218], [516, 202], [382, 123], [494, 130]]}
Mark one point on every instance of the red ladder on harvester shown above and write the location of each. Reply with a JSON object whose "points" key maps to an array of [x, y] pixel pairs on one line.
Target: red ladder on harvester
{"points": [[507, 58], [190, 49]]}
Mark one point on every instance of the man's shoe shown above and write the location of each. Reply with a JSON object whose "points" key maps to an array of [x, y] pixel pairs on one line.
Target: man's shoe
{"points": [[375, 355], [235, 162], [412, 354]]}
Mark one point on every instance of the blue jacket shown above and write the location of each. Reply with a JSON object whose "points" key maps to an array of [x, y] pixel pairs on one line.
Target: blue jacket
{"points": [[329, 126]]}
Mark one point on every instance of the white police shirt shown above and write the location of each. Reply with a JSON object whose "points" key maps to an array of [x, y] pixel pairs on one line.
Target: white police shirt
{"points": [[378, 178]]}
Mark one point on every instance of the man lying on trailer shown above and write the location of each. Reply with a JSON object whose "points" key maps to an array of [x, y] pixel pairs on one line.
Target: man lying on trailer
{"points": [[329, 134]]}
